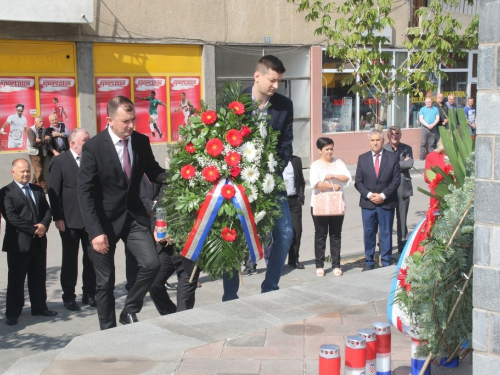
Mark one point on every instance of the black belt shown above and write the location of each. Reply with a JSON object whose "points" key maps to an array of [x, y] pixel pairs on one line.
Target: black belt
{"points": [[293, 196]]}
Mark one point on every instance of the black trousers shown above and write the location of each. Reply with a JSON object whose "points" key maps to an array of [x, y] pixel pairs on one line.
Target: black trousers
{"points": [[34, 264], [402, 216], [168, 265], [296, 213], [71, 239], [131, 269], [185, 289], [140, 242], [324, 225]]}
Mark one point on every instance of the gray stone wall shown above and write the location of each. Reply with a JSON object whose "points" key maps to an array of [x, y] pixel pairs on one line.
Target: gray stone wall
{"points": [[486, 316]]}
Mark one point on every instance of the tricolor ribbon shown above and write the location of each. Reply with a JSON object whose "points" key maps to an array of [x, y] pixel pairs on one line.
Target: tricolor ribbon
{"points": [[206, 217]]}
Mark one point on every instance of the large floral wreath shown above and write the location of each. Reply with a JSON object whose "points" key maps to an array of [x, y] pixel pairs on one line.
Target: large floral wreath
{"points": [[222, 198]]}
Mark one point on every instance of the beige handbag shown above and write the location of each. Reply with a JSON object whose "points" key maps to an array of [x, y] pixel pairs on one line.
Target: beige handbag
{"points": [[329, 203]]}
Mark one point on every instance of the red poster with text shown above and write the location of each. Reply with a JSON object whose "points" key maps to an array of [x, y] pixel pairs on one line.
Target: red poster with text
{"points": [[58, 95], [184, 102], [107, 88], [15, 120], [150, 96]]}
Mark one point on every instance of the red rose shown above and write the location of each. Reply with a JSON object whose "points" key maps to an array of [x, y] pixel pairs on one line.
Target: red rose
{"points": [[245, 131], [190, 148], [228, 191], [228, 235], [214, 147], [235, 171], [232, 158], [209, 117], [448, 168], [187, 172], [403, 273], [210, 174], [234, 137], [237, 107]]}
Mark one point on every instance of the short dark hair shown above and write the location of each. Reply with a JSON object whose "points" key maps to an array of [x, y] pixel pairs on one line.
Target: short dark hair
{"points": [[270, 62], [57, 100], [119, 101], [153, 92], [322, 142], [20, 105]]}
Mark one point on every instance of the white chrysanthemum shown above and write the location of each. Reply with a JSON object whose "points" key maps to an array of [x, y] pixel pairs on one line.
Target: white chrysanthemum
{"points": [[260, 216], [248, 151], [252, 193], [250, 174], [268, 184], [271, 163], [263, 129]]}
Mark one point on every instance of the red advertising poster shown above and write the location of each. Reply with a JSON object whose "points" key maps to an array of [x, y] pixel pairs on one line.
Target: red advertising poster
{"points": [[16, 92], [150, 96], [184, 102], [58, 95], [107, 88]]}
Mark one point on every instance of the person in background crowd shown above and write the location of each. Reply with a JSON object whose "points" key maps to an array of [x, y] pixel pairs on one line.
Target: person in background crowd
{"points": [[327, 174], [27, 216], [452, 104], [295, 186], [470, 115], [68, 220], [38, 140], [443, 116], [377, 179], [18, 125], [429, 117], [58, 133], [405, 190]]}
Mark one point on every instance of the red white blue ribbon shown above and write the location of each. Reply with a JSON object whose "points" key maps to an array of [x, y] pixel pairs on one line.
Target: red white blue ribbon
{"points": [[242, 204], [204, 221], [207, 215]]}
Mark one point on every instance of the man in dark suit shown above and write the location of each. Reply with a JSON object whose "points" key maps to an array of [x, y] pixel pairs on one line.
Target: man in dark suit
{"points": [[27, 215], [295, 185], [377, 180], [267, 77], [68, 220], [113, 163], [405, 189]]}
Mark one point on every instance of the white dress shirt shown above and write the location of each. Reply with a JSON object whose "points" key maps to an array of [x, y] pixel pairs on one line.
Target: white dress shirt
{"points": [[24, 191], [119, 148]]}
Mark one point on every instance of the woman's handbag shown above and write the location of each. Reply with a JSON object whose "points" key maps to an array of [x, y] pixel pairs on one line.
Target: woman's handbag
{"points": [[329, 203]]}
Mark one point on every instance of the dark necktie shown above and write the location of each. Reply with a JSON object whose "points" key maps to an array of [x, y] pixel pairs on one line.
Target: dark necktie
{"points": [[127, 168], [377, 164], [31, 203]]}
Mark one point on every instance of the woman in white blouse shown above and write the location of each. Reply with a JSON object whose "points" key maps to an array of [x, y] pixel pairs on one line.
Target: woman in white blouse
{"points": [[327, 174]]}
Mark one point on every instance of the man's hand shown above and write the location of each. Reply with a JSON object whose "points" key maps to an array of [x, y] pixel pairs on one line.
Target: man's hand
{"points": [[60, 225], [56, 154], [40, 229], [101, 244], [46, 137], [376, 198]]}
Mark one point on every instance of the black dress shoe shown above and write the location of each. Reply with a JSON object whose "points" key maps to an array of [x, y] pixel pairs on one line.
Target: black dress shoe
{"points": [[11, 321], [298, 266], [44, 313], [87, 300], [72, 305], [170, 286], [367, 268], [128, 318]]}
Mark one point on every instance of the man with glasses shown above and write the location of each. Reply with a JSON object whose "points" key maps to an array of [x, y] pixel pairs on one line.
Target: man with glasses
{"points": [[17, 124]]}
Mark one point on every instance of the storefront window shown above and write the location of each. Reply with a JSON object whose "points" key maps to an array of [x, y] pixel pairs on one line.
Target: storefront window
{"points": [[401, 111], [375, 113], [339, 105], [455, 84]]}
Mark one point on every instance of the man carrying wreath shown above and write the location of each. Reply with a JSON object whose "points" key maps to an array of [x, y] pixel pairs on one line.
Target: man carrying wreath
{"points": [[267, 77]]}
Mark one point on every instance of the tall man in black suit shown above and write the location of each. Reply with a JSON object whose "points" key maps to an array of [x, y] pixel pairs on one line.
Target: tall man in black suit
{"points": [[267, 77], [27, 215], [377, 180], [113, 163], [405, 189], [68, 220]]}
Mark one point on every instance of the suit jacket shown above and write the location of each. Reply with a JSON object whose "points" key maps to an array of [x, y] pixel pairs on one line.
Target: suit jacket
{"points": [[63, 194], [405, 189], [387, 182], [19, 228], [298, 177], [281, 112], [104, 196]]}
